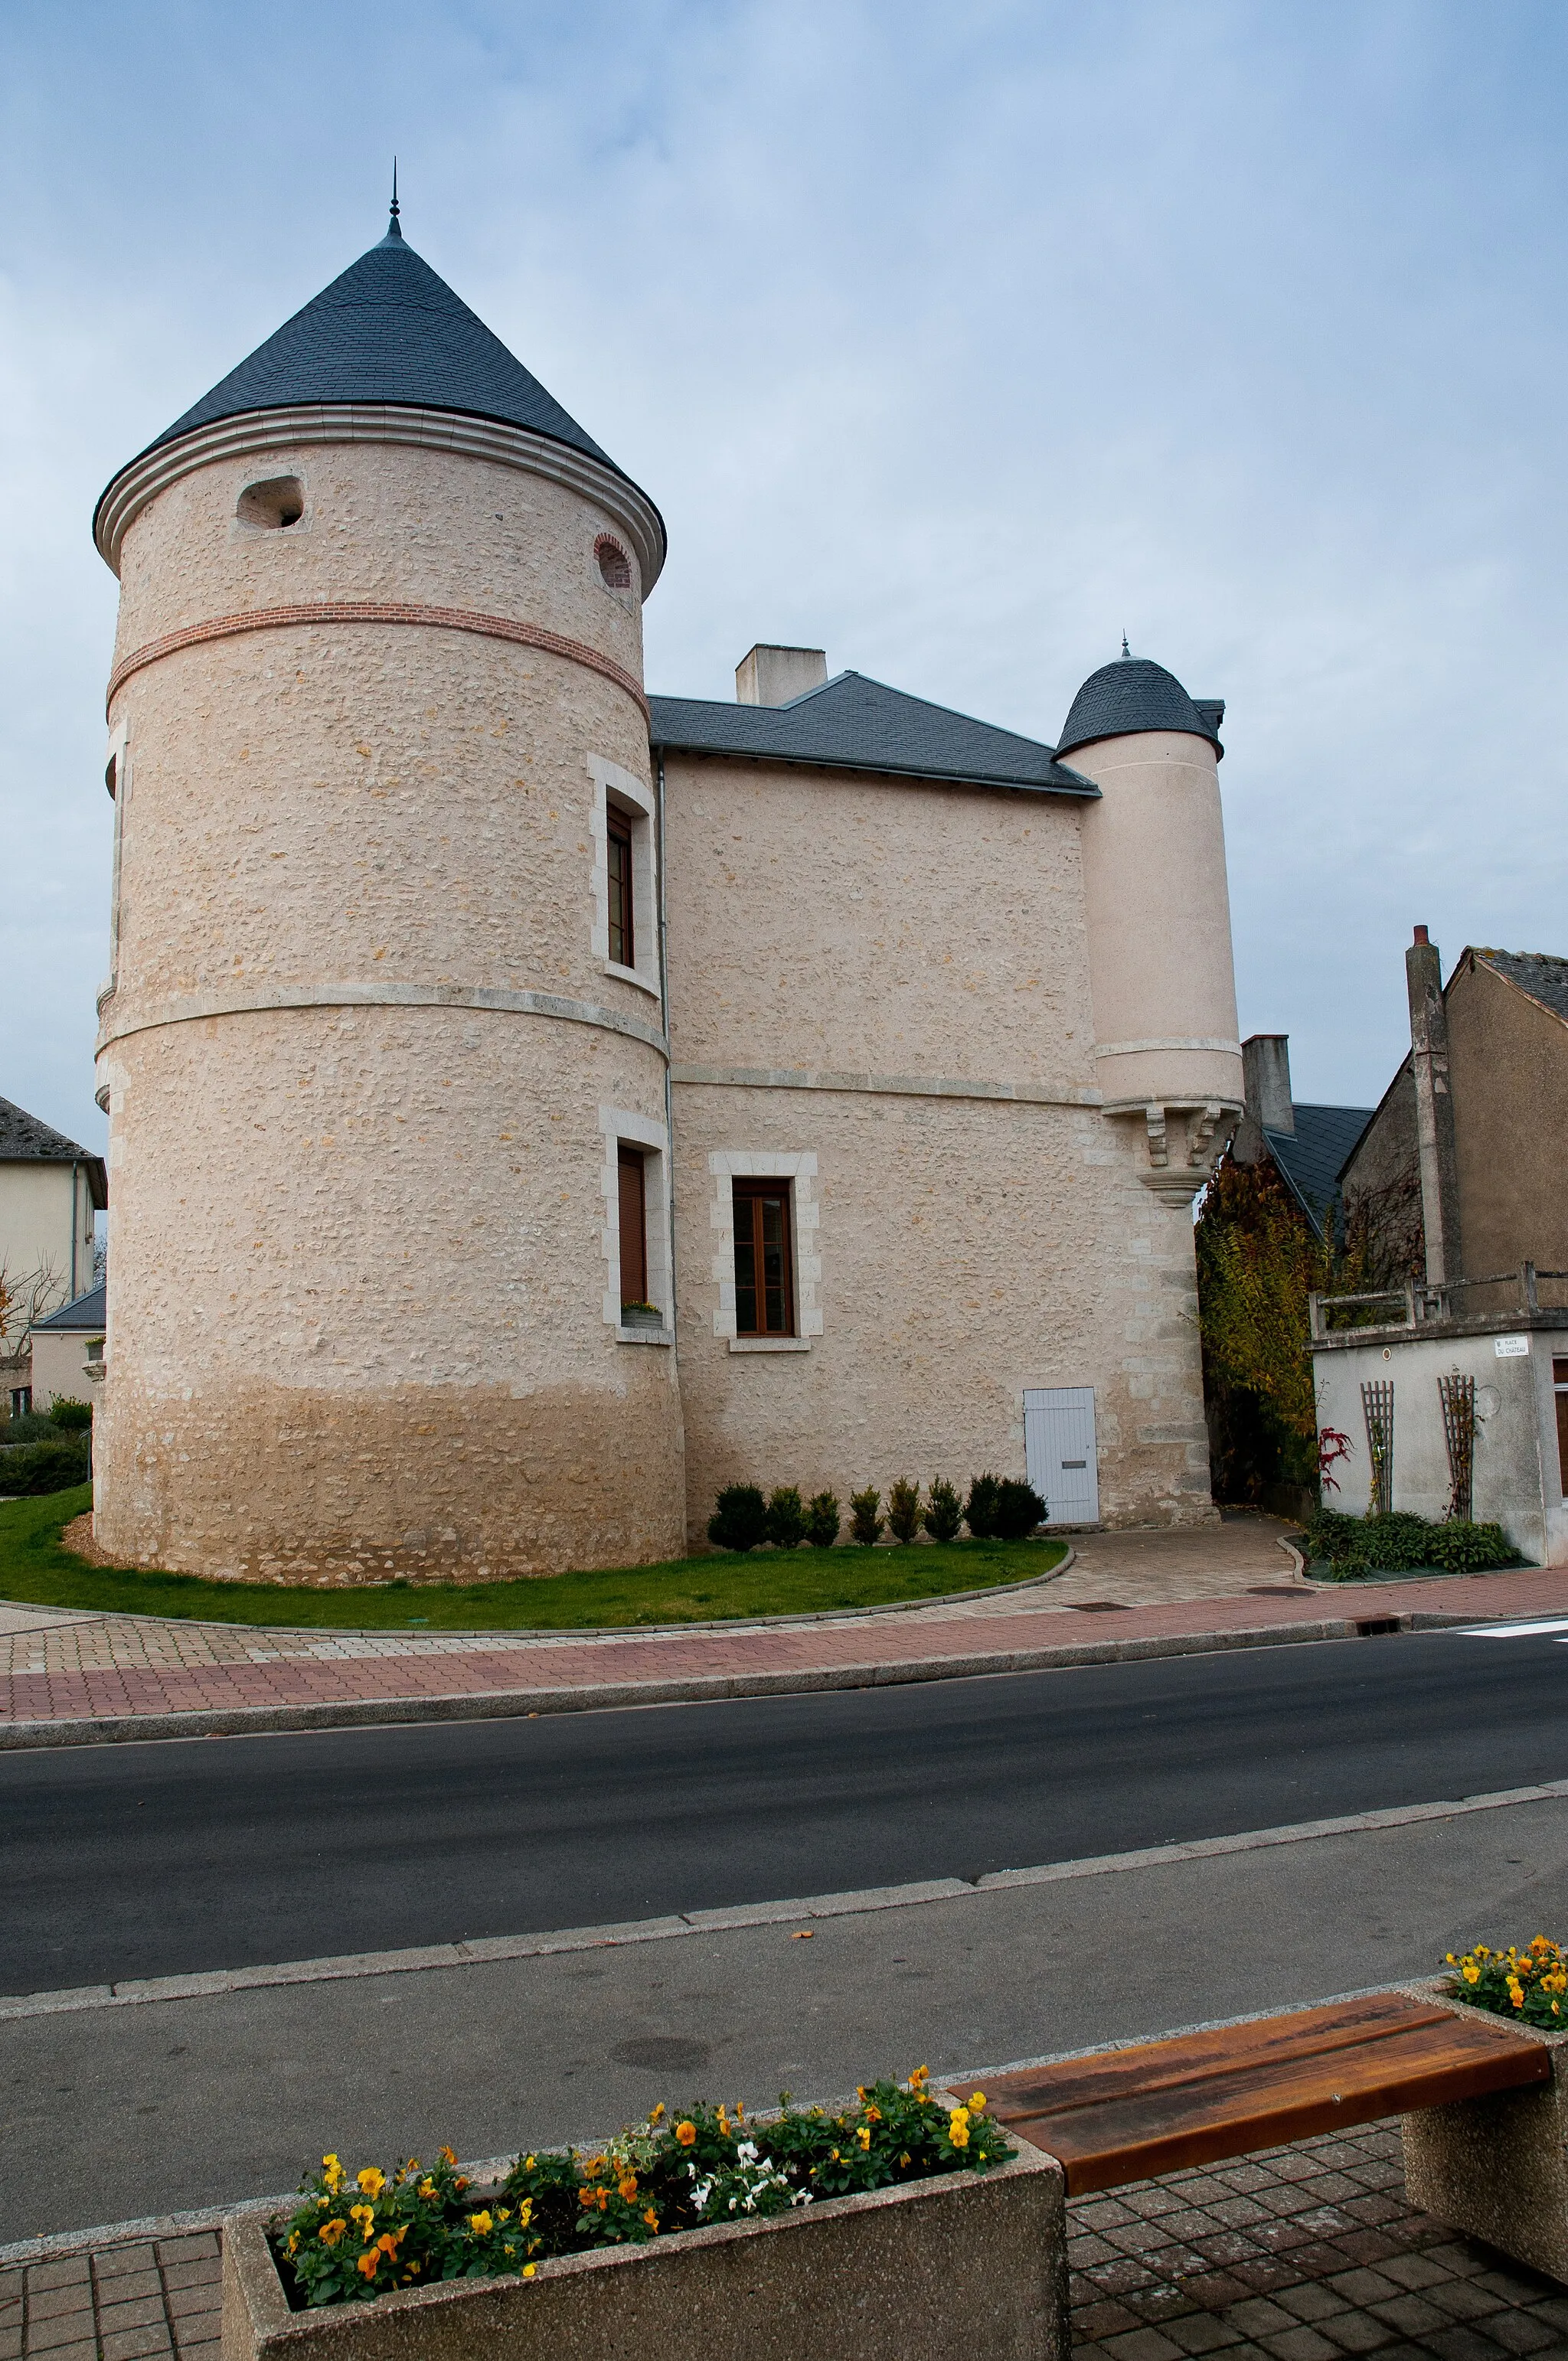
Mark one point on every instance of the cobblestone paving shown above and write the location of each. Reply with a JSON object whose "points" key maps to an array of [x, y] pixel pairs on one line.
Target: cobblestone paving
{"points": [[1308, 2253], [156, 2298], [1303, 2254]]}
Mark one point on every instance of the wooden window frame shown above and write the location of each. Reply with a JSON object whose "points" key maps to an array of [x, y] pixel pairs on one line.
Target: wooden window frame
{"points": [[620, 893], [627, 1157], [749, 1195], [1560, 1403]]}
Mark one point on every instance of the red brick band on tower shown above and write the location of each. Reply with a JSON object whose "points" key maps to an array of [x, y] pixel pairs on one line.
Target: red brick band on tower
{"points": [[372, 611]]}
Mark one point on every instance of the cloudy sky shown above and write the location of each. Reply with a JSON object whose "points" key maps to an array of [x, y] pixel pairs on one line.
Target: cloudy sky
{"points": [[953, 338]]}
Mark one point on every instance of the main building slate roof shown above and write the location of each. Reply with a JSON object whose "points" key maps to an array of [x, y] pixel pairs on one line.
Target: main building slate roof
{"points": [[853, 723], [24, 1139], [1311, 1158], [388, 330], [1133, 694]]}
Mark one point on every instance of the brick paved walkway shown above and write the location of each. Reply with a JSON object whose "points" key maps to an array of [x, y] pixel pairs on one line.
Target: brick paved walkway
{"points": [[1305, 2254], [1179, 1588]]}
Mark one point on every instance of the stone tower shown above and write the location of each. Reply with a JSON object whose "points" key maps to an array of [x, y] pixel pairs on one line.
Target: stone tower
{"points": [[384, 1030], [1161, 977]]}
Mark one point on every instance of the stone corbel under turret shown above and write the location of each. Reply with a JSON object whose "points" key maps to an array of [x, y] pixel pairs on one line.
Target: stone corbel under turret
{"points": [[1182, 1140]]}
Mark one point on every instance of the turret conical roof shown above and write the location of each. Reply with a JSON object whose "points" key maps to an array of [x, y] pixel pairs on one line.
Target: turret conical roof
{"points": [[388, 330], [1130, 695]]}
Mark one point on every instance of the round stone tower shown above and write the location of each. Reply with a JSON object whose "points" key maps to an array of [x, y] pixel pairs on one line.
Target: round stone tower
{"points": [[1163, 985], [383, 1045]]}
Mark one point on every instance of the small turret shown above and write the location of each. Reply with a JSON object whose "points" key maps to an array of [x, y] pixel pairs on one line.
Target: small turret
{"points": [[1158, 912]]}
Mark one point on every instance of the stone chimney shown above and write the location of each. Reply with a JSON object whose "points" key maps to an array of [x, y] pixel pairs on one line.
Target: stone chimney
{"points": [[1434, 1110], [778, 675], [1266, 1092]]}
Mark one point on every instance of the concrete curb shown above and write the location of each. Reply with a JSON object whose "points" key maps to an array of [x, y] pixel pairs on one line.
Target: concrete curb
{"points": [[603, 1696], [141, 1991]]}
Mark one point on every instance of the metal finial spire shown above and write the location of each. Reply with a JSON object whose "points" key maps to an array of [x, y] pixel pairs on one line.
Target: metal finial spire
{"points": [[393, 229], [1126, 651]]}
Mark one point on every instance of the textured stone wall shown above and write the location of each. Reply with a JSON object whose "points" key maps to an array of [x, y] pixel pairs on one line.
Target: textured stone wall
{"points": [[901, 939], [355, 1320]]}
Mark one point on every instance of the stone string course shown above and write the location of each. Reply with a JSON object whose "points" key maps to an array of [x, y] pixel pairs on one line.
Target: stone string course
{"points": [[372, 610]]}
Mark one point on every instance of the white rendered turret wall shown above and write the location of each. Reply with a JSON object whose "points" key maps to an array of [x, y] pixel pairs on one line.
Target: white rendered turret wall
{"points": [[1159, 923], [369, 1061]]}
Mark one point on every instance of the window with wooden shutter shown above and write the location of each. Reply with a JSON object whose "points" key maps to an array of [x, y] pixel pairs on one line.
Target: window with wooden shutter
{"points": [[633, 1228], [618, 853], [764, 1264]]}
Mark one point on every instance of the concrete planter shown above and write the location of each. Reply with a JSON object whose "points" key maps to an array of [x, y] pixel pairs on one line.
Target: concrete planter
{"points": [[1496, 2167], [966, 2262], [649, 1324]]}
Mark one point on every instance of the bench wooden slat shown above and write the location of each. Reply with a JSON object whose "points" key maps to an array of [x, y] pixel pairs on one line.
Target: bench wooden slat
{"points": [[1128, 2115]]}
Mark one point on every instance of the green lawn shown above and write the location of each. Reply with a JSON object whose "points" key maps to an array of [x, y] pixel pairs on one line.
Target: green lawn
{"points": [[33, 1568]]}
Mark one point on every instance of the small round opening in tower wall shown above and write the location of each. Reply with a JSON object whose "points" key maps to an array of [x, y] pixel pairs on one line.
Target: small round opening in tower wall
{"points": [[274, 505], [615, 566]]}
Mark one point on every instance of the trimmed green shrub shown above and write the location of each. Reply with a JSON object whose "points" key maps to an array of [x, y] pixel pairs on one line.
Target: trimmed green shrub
{"points": [[980, 1508], [865, 1522], [822, 1519], [44, 1467], [786, 1518], [29, 1426], [904, 1509], [944, 1511], [1402, 1543], [72, 1416], [740, 1519], [1019, 1509]]}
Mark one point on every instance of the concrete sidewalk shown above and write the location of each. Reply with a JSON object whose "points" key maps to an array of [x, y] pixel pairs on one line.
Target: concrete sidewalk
{"points": [[68, 1679]]}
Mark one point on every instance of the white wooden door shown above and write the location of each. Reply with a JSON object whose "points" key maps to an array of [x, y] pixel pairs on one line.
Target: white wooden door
{"points": [[1059, 1452]]}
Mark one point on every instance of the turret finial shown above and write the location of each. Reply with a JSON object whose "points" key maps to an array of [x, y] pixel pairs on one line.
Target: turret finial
{"points": [[393, 229], [1126, 651]]}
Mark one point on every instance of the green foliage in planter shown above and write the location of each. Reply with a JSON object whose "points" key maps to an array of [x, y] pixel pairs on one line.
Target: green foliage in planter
{"points": [[1019, 1509], [1402, 1543], [44, 1467], [786, 1518], [1530, 1986], [944, 1511], [822, 1520], [362, 2235], [904, 1509], [865, 1519], [740, 1519], [980, 1508], [73, 1417]]}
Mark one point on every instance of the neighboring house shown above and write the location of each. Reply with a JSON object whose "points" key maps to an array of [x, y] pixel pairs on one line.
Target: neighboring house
{"points": [[68, 1352], [1307, 1144], [1458, 1396], [50, 1187], [533, 1104]]}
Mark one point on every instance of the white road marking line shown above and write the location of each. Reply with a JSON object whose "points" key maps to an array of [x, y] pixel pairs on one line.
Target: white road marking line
{"points": [[1557, 1631]]}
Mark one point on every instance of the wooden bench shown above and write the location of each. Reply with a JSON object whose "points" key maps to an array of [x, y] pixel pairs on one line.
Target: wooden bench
{"points": [[1483, 2121]]}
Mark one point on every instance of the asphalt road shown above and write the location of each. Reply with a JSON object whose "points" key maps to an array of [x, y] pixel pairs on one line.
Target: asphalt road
{"points": [[131, 1860]]}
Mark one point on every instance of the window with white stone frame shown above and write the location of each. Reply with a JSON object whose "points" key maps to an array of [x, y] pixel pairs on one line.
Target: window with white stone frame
{"points": [[641, 1262], [750, 1167], [624, 919]]}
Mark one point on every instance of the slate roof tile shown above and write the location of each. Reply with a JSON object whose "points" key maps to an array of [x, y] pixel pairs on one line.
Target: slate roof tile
{"points": [[854, 723]]}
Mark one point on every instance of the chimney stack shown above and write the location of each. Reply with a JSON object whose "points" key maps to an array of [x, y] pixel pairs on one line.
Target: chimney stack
{"points": [[1434, 1110], [778, 675], [1265, 1081]]}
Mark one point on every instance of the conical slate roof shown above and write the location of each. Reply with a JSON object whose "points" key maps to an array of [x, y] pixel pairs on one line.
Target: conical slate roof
{"points": [[388, 330], [1130, 695]]}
